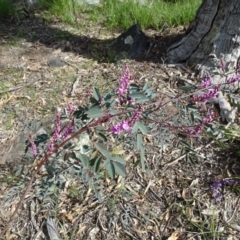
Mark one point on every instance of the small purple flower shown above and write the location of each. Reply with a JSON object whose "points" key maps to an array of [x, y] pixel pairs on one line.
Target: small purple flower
{"points": [[229, 182], [195, 131], [124, 82], [136, 115], [33, 146], [69, 130], [126, 125], [212, 93], [120, 127], [217, 187], [217, 190], [70, 108], [234, 79], [206, 82], [209, 117], [56, 132]]}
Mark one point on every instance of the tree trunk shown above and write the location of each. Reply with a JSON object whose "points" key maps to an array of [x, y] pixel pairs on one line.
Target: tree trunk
{"points": [[212, 44]]}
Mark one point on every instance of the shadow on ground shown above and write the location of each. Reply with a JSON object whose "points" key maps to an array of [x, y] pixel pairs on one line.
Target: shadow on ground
{"points": [[51, 35]]}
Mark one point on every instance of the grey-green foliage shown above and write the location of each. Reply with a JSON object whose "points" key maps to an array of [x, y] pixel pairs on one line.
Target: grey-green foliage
{"points": [[90, 157]]}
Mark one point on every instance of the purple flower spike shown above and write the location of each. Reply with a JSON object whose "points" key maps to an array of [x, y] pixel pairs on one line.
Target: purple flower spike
{"points": [[212, 93], [120, 127], [210, 115], [206, 82], [69, 130], [234, 79], [33, 146], [70, 108], [124, 82], [136, 115], [126, 125], [56, 132]]}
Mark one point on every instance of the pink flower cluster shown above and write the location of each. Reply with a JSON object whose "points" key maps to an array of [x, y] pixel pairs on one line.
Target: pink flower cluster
{"points": [[70, 108], [56, 132], [234, 79], [33, 146], [206, 82], [124, 82], [210, 115], [212, 93], [123, 89], [69, 130], [126, 125]]}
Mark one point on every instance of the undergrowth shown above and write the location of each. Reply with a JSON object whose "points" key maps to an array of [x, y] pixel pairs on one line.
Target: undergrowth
{"points": [[92, 146]]}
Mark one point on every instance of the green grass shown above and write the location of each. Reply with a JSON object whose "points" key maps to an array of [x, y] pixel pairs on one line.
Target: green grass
{"points": [[117, 14], [114, 13], [6, 9]]}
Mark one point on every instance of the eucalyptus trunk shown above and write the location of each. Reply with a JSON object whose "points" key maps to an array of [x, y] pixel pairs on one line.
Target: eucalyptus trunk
{"points": [[212, 42]]}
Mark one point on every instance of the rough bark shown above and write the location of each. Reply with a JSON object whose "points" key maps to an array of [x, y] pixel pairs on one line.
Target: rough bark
{"points": [[214, 39]]}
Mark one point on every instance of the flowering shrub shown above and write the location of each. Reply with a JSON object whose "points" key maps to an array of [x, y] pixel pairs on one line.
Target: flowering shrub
{"points": [[85, 146], [135, 101]]}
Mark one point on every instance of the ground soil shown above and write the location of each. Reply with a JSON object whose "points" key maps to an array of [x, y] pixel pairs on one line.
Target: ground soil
{"points": [[42, 67]]}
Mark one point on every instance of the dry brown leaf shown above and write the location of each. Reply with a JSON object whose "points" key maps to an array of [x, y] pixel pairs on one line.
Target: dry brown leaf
{"points": [[81, 230], [69, 217], [210, 212], [175, 235], [194, 182], [149, 227], [184, 194], [34, 67]]}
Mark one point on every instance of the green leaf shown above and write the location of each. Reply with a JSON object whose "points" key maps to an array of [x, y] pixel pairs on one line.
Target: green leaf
{"points": [[142, 128], [95, 161], [139, 126], [84, 159], [185, 144], [95, 112], [97, 164], [120, 169], [97, 194], [190, 107], [118, 159], [110, 169], [135, 128], [102, 137], [134, 87], [139, 97], [96, 94], [192, 116], [182, 135], [139, 141], [142, 159], [101, 148], [145, 87]]}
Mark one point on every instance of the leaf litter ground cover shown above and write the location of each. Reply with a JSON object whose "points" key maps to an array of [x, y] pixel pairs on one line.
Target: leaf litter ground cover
{"points": [[44, 66]]}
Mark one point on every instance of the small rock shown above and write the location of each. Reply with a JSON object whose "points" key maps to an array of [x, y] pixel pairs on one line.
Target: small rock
{"points": [[132, 42], [56, 63]]}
